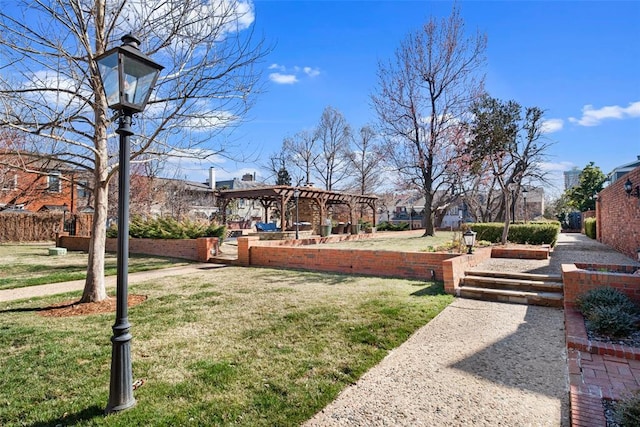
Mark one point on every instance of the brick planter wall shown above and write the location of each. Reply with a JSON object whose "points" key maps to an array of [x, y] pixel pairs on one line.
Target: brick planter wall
{"points": [[578, 279], [410, 265], [200, 249], [618, 216], [520, 253], [454, 268]]}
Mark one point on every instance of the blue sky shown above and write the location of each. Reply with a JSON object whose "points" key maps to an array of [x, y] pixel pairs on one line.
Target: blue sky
{"points": [[577, 60]]}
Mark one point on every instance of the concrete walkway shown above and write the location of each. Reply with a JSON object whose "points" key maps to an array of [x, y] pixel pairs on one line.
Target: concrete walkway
{"points": [[110, 282]]}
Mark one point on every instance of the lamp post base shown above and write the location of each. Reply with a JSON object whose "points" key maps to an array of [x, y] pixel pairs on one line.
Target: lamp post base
{"points": [[121, 386]]}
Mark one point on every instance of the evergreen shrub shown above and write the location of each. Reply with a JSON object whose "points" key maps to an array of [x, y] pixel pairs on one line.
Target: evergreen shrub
{"points": [[590, 227], [169, 228], [532, 233]]}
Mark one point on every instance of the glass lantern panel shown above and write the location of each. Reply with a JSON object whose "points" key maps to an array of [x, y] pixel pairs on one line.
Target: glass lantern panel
{"points": [[108, 68], [138, 78]]}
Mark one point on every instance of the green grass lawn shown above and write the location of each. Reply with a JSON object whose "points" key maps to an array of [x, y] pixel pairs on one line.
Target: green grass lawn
{"points": [[228, 346], [30, 264], [404, 241]]}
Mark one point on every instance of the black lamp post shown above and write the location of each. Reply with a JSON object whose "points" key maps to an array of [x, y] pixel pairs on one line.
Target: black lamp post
{"points": [[524, 207], [410, 217], [128, 77], [296, 194]]}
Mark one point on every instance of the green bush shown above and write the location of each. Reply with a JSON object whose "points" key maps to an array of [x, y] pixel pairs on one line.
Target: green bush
{"points": [[533, 233], [611, 320], [169, 228], [387, 226], [604, 296], [590, 227], [627, 411]]}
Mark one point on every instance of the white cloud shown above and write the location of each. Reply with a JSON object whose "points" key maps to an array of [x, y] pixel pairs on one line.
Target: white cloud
{"points": [[283, 79], [559, 167], [593, 117], [291, 75], [311, 72], [552, 125]]}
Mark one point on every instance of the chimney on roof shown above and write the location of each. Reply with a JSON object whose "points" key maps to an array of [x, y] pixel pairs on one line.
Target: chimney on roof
{"points": [[247, 177], [212, 178]]}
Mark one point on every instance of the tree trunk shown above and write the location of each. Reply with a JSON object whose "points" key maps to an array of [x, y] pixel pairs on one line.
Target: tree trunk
{"points": [[507, 216], [94, 287]]}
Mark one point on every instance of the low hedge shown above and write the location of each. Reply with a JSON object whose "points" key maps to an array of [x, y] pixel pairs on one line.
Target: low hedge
{"points": [[387, 226], [169, 228], [532, 233], [590, 227]]}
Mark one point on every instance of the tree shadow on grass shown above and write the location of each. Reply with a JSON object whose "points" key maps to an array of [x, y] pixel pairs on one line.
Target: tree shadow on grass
{"points": [[86, 414]]}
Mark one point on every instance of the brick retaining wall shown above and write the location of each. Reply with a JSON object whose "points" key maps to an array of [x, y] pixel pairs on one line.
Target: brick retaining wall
{"points": [[580, 278], [201, 249], [454, 268], [410, 265]]}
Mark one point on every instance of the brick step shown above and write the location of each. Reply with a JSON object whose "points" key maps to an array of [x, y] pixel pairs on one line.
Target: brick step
{"points": [[514, 275], [549, 299], [510, 283]]}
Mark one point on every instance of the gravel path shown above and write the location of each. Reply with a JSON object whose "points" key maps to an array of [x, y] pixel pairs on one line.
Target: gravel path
{"points": [[477, 363]]}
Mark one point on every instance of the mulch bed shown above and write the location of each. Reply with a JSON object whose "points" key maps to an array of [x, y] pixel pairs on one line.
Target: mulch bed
{"points": [[75, 308]]}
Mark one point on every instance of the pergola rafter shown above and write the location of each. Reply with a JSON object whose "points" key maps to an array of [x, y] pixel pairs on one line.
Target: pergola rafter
{"points": [[280, 195]]}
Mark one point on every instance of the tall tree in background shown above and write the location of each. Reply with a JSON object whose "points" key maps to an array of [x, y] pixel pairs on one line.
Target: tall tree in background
{"points": [[302, 153], [422, 97], [365, 161], [509, 146], [590, 183], [334, 141], [51, 92]]}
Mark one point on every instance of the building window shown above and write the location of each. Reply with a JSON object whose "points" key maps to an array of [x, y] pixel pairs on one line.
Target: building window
{"points": [[83, 189], [53, 184], [10, 182]]}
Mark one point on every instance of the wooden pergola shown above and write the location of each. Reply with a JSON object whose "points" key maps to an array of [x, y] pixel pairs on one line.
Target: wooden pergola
{"points": [[279, 195]]}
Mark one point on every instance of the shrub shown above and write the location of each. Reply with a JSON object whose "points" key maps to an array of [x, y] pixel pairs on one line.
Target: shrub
{"points": [[604, 296], [590, 227], [169, 228], [627, 411], [534, 233], [387, 226], [612, 320]]}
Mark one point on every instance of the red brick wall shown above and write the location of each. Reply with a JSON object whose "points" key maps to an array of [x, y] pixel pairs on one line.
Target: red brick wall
{"points": [[454, 268], [192, 249], [520, 253], [618, 216], [577, 280], [410, 265]]}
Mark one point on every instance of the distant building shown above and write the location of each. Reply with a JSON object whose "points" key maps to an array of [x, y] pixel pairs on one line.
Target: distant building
{"points": [[572, 178], [620, 171]]}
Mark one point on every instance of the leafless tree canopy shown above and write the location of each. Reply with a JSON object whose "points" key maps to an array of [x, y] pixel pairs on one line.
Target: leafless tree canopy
{"points": [[51, 92], [421, 99], [365, 162], [334, 139]]}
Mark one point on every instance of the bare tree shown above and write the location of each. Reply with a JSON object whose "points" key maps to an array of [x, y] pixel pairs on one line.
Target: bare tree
{"points": [[302, 154], [421, 99], [365, 161], [334, 138], [51, 92]]}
